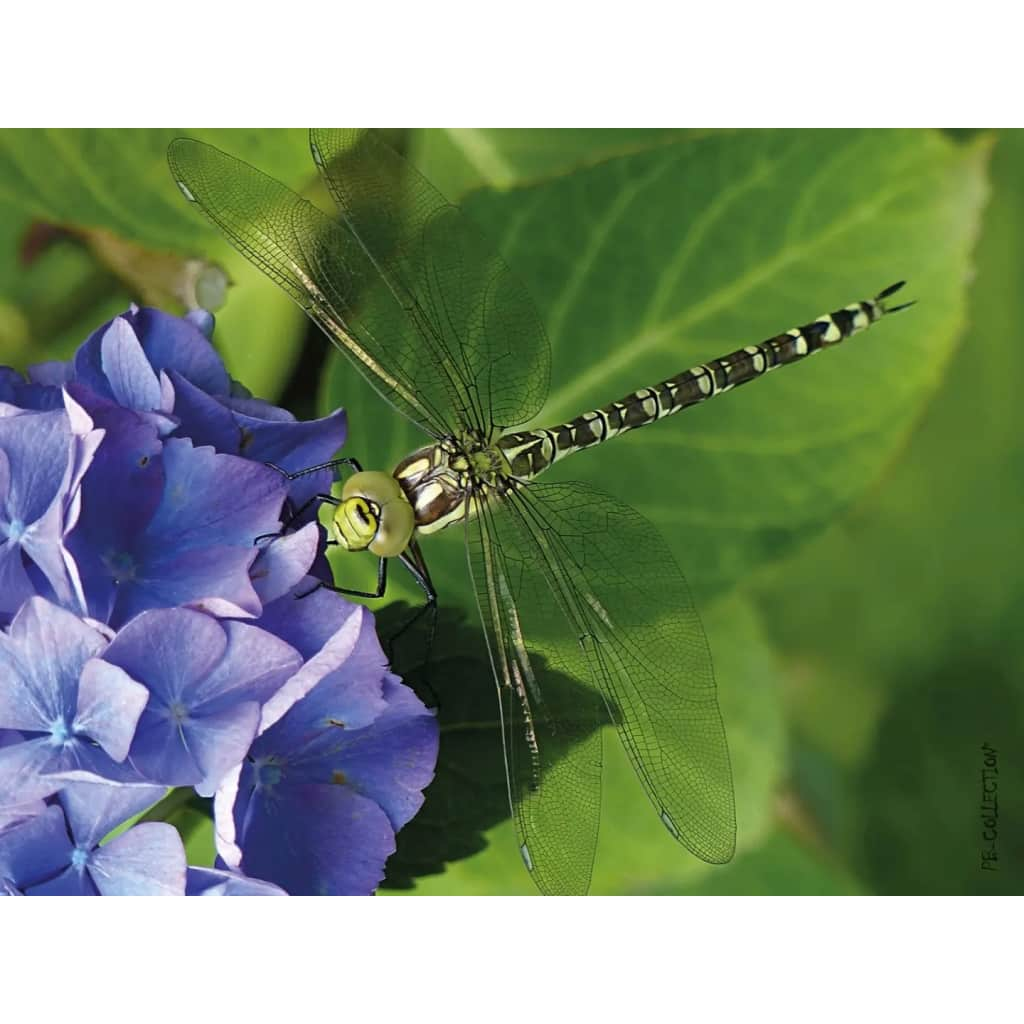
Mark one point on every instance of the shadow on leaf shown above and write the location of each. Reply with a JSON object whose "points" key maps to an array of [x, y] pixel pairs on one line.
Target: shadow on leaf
{"points": [[469, 794]]}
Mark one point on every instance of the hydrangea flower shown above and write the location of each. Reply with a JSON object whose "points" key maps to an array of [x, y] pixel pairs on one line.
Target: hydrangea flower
{"points": [[43, 458], [344, 752], [58, 852], [207, 681], [166, 523], [148, 587], [72, 712]]}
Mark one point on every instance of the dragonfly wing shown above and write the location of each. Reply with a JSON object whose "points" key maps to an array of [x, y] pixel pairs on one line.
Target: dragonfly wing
{"points": [[551, 718], [485, 332], [325, 269], [626, 607]]}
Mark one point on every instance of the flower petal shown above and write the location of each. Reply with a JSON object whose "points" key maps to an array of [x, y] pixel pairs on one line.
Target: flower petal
{"points": [[283, 563], [94, 809], [324, 841], [147, 860], [34, 849], [220, 740], [43, 652], [109, 705], [214, 882], [131, 379]]}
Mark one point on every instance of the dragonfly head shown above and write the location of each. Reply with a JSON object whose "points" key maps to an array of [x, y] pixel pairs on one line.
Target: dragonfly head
{"points": [[374, 514]]}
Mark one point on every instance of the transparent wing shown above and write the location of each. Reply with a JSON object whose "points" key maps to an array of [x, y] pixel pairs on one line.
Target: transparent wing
{"points": [[485, 333], [568, 576], [391, 297], [551, 716]]}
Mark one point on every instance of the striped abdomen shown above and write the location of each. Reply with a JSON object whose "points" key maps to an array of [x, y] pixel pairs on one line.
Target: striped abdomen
{"points": [[531, 452]]}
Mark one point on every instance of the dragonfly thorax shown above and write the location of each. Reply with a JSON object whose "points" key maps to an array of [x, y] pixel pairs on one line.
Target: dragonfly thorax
{"points": [[374, 514], [444, 481]]}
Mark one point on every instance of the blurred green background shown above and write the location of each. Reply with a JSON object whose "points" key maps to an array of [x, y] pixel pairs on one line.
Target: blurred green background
{"points": [[850, 527]]}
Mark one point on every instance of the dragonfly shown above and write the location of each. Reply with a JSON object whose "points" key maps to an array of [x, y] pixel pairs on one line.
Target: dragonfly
{"points": [[587, 617]]}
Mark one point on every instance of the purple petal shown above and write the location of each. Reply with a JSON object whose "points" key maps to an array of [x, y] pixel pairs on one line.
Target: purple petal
{"points": [[15, 586], [109, 705], [220, 740], [393, 761], [36, 445], [147, 860], [131, 379], [307, 623], [43, 653], [181, 345], [94, 809], [254, 666], [213, 579], [43, 460], [74, 881], [204, 419], [207, 680], [283, 563], [324, 841], [331, 658], [212, 499], [14, 813], [51, 374], [213, 882], [168, 649], [21, 771], [33, 394], [35, 848]]}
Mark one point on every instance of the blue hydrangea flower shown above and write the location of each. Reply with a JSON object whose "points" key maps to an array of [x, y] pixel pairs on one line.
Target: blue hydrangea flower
{"points": [[207, 681], [165, 368], [59, 853], [72, 712], [154, 635], [165, 524], [129, 360], [343, 755], [43, 458]]}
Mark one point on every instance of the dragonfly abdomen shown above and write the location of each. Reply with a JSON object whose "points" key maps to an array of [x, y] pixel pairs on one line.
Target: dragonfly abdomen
{"points": [[531, 452]]}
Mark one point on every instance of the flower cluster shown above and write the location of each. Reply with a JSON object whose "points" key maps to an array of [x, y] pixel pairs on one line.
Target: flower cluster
{"points": [[152, 636]]}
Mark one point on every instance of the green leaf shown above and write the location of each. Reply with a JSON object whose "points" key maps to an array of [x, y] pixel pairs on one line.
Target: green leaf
{"points": [[117, 178], [781, 866], [902, 623], [458, 159]]}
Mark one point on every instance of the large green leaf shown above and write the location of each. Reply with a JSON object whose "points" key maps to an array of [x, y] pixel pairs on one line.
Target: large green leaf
{"points": [[117, 179], [458, 159], [903, 622]]}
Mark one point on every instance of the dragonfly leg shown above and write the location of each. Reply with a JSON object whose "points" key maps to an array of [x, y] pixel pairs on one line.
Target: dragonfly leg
{"points": [[382, 585], [416, 565], [353, 464], [286, 526], [329, 498]]}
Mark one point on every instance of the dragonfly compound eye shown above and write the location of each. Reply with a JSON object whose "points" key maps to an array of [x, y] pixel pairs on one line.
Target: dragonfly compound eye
{"points": [[355, 523], [371, 499]]}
